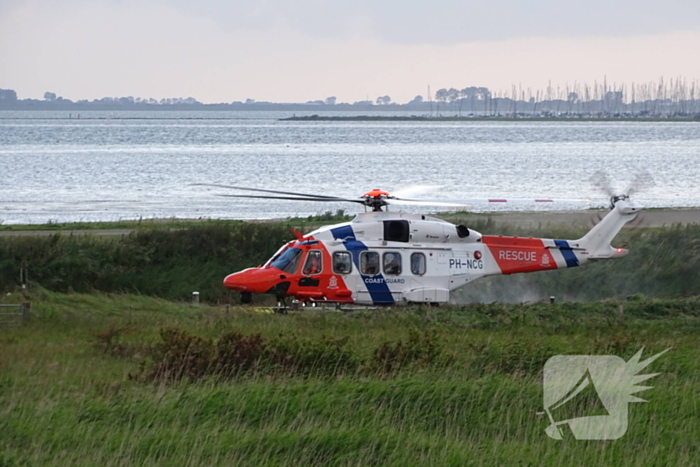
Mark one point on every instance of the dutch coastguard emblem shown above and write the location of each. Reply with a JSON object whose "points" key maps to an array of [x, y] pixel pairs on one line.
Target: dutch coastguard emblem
{"points": [[545, 261], [333, 283]]}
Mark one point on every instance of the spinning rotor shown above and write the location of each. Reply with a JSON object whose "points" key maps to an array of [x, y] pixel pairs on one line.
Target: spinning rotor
{"points": [[375, 199]]}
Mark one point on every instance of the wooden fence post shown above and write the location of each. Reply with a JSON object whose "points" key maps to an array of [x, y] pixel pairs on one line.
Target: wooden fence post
{"points": [[25, 309], [24, 277]]}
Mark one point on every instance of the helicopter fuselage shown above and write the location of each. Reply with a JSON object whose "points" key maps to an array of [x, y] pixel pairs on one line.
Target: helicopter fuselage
{"points": [[385, 258]]}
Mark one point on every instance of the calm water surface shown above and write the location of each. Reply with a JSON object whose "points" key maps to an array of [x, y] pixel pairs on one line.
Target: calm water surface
{"points": [[126, 165]]}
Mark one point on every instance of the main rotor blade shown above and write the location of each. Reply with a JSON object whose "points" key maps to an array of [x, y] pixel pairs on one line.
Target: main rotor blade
{"points": [[265, 190], [423, 202], [468, 201], [296, 198], [412, 191]]}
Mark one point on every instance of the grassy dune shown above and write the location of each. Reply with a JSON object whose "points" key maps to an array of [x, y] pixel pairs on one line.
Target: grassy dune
{"points": [[77, 385]]}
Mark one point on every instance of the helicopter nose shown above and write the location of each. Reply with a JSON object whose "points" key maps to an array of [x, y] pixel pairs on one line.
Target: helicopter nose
{"points": [[250, 280], [238, 280]]}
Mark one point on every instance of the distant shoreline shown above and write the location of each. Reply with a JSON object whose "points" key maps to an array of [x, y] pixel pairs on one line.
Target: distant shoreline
{"points": [[423, 118], [77, 111], [80, 111], [376, 118]]}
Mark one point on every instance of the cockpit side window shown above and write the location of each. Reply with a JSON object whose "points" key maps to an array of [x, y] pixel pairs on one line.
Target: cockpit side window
{"points": [[342, 262], [314, 263], [288, 261]]}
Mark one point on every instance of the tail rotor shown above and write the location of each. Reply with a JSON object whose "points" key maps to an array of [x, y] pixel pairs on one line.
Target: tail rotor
{"points": [[641, 181]]}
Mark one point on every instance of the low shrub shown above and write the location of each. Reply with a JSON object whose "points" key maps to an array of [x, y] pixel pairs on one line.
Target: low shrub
{"points": [[390, 356], [236, 354], [181, 355], [185, 356], [302, 356]]}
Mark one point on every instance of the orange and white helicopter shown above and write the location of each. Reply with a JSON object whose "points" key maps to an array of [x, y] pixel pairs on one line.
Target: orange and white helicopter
{"points": [[386, 258]]}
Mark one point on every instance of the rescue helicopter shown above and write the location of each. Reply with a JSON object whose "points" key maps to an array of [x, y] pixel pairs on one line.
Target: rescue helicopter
{"points": [[385, 257]]}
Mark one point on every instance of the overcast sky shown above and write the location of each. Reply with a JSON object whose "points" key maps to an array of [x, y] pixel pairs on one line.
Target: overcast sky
{"points": [[296, 50]]}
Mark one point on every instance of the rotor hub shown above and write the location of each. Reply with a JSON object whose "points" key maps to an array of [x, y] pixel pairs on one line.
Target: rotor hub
{"points": [[376, 199], [615, 198]]}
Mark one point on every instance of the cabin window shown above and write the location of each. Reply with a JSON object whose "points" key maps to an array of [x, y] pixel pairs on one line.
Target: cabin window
{"points": [[396, 231], [314, 263], [392, 263], [288, 260], [369, 263], [418, 264], [342, 262]]}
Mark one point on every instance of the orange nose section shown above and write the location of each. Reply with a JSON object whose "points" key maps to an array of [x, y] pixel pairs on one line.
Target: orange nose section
{"points": [[254, 280], [235, 281]]}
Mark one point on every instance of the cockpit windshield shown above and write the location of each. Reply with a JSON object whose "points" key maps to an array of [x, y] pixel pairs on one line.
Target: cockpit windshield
{"points": [[288, 261]]}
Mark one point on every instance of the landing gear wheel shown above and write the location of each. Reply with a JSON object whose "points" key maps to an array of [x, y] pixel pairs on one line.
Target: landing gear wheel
{"points": [[246, 298]]}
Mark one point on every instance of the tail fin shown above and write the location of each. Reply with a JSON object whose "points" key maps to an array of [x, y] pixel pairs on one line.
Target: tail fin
{"points": [[597, 240]]}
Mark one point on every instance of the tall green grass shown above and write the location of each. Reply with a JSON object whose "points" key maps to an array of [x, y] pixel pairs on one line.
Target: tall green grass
{"points": [[159, 262], [67, 399]]}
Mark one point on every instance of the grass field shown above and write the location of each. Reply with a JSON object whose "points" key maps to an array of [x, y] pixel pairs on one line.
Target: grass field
{"points": [[82, 383]]}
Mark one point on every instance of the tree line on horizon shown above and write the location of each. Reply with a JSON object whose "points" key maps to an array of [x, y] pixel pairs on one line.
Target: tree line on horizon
{"points": [[666, 97], [674, 97]]}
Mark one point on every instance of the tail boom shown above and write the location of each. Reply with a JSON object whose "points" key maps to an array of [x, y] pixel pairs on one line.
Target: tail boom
{"points": [[514, 255]]}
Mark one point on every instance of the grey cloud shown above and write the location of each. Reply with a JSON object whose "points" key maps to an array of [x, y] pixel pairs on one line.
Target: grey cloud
{"points": [[454, 21]]}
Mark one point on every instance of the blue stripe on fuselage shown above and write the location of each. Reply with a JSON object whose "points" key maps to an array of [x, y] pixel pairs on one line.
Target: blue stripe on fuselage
{"points": [[376, 285], [343, 233], [567, 253]]}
